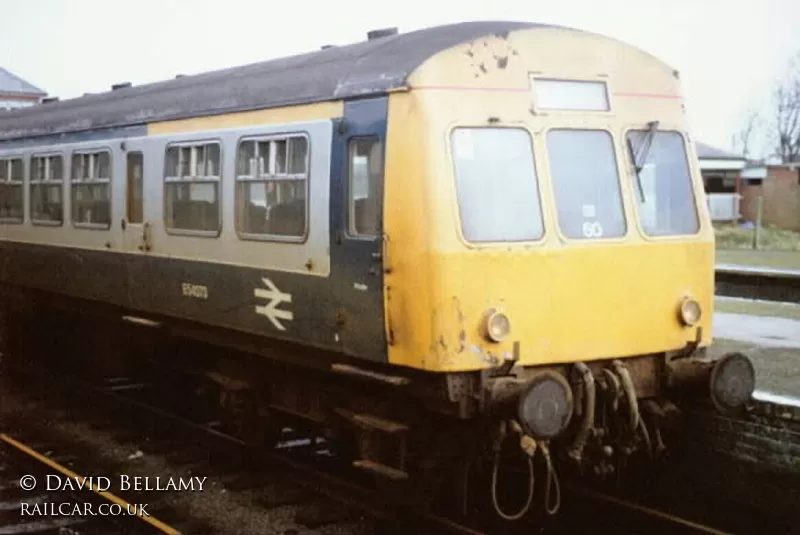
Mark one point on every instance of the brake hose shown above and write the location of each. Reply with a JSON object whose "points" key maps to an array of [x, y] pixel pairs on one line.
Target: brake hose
{"points": [[528, 445]]}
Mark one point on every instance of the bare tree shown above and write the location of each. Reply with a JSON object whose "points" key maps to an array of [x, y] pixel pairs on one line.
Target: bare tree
{"points": [[743, 139], [787, 114]]}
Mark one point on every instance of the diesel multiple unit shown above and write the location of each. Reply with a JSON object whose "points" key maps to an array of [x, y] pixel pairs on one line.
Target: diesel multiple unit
{"points": [[420, 243]]}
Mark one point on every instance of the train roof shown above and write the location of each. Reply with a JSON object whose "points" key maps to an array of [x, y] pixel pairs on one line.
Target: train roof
{"points": [[366, 68]]}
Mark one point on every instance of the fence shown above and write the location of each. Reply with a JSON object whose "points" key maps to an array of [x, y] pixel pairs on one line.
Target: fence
{"points": [[724, 206]]}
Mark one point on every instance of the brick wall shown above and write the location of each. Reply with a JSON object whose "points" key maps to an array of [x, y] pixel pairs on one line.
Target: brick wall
{"points": [[21, 98], [782, 197], [748, 207], [16, 101]]}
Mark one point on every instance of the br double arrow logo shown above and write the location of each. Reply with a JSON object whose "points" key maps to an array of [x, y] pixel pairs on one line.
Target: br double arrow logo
{"points": [[270, 310]]}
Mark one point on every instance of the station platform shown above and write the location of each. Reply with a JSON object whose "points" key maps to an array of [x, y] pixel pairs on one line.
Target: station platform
{"points": [[774, 346], [765, 331]]}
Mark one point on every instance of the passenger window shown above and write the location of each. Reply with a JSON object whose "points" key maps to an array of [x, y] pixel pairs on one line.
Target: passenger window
{"points": [[47, 179], [191, 187], [364, 187], [583, 170], [498, 195], [665, 197], [91, 189], [12, 174], [135, 188], [272, 188]]}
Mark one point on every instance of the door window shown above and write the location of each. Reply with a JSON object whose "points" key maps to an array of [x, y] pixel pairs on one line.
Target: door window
{"points": [[135, 187]]}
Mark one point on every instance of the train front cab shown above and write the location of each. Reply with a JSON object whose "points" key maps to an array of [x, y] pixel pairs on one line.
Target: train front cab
{"points": [[543, 208]]}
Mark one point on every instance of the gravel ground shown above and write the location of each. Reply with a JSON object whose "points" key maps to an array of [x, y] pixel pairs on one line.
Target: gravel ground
{"points": [[240, 512]]}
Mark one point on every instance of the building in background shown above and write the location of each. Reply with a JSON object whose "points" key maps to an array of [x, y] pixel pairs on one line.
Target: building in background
{"points": [[721, 172], [779, 186], [733, 187], [17, 93]]}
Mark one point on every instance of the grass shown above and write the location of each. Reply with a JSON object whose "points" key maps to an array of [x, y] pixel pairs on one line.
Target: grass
{"points": [[776, 310], [778, 248], [773, 259], [777, 368], [771, 238]]}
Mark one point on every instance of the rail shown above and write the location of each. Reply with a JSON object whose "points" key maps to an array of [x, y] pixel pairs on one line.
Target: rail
{"points": [[761, 283], [45, 510]]}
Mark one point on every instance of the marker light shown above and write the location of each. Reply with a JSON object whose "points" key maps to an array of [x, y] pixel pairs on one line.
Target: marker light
{"points": [[545, 407], [690, 311], [497, 326]]}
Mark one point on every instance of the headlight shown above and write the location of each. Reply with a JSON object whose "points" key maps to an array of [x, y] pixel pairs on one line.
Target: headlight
{"points": [[545, 407], [733, 381], [497, 326], [690, 311]]}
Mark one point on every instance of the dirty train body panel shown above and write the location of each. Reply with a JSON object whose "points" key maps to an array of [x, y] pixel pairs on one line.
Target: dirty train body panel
{"points": [[286, 289]]}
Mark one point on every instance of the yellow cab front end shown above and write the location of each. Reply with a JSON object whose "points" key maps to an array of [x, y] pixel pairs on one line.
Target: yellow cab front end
{"points": [[544, 208]]}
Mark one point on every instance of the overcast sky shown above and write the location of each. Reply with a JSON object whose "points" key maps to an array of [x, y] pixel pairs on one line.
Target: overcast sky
{"points": [[729, 53]]}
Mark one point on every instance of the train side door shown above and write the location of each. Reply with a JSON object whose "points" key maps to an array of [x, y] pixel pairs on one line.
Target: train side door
{"points": [[357, 209], [135, 228]]}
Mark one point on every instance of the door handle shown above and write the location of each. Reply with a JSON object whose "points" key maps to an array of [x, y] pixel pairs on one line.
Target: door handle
{"points": [[384, 254], [123, 224]]}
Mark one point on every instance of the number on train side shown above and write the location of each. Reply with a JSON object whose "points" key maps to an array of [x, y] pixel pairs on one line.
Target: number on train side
{"points": [[197, 291], [592, 229]]}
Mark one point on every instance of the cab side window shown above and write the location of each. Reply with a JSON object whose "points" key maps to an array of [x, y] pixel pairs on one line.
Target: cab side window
{"points": [[365, 170]]}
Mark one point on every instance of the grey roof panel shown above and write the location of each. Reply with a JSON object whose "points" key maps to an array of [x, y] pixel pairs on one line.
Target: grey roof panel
{"points": [[370, 67], [11, 84], [707, 152]]}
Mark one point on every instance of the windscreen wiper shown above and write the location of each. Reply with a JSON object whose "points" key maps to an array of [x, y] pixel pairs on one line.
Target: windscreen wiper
{"points": [[640, 160]]}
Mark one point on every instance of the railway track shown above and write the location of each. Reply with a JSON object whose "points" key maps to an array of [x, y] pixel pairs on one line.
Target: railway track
{"points": [[33, 502], [237, 497], [758, 283], [293, 490], [296, 489]]}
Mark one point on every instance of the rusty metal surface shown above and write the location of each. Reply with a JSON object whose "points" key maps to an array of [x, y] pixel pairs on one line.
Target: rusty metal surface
{"points": [[360, 69]]}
